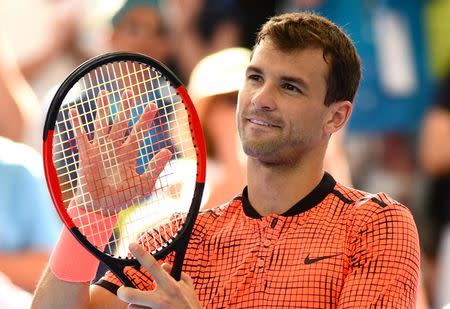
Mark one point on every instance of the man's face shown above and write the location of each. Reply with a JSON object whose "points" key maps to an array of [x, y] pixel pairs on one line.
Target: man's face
{"points": [[281, 112], [140, 30]]}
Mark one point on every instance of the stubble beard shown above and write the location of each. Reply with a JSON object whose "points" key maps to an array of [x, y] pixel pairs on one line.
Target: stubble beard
{"points": [[260, 148], [270, 152]]}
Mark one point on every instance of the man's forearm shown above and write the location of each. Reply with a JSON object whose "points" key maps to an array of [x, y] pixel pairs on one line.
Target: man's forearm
{"points": [[55, 293]]}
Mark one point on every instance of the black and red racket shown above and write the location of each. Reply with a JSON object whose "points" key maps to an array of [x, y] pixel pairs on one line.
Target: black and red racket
{"points": [[124, 156]]}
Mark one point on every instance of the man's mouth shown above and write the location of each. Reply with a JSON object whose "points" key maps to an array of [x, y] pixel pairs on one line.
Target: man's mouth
{"points": [[262, 123]]}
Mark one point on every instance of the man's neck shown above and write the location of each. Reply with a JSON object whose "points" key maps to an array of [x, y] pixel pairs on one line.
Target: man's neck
{"points": [[275, 189]]}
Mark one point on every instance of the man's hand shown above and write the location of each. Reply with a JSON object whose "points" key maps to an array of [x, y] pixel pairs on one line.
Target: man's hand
{"points": [[108, 181], [169, 293]]}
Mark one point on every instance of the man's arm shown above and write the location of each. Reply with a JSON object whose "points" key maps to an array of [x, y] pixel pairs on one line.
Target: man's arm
{"points": [[169, 293], [72, 294], [63, 295]]}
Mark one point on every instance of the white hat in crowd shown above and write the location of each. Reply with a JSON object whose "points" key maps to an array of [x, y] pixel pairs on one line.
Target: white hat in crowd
{"points": [[219, 73]]}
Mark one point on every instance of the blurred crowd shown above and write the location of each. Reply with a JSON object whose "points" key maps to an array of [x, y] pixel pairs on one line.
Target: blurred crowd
{"points": [[397, 140]]}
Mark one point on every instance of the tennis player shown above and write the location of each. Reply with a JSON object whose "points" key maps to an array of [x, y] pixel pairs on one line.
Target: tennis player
{"points": [[293, 237]]}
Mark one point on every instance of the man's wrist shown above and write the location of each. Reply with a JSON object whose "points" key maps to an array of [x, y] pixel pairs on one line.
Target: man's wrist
{"points": [[72, 262]]}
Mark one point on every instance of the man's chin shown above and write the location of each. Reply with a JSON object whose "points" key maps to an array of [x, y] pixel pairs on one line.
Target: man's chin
{"points": [[261, 151], [271, 155]]}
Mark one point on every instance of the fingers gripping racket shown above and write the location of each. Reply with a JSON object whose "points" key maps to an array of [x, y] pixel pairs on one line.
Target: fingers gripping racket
{"points": [[125, 158]]}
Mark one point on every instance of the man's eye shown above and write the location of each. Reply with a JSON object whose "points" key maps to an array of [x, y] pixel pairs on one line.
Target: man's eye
{"points": [[254, 77], [291, 87]]}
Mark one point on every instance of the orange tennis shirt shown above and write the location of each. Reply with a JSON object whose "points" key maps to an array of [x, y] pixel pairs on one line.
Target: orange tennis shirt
{"points": [[336, 248]]}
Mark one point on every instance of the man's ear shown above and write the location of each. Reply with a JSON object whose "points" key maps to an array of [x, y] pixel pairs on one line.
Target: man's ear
{"points": [[339, 113]]}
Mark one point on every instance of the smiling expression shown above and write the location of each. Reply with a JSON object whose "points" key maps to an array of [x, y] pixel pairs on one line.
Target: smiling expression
{"points": [[281, 111]]}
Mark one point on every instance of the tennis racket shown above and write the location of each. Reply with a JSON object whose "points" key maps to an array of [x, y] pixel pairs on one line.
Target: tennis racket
{"points": [[125, 159]]}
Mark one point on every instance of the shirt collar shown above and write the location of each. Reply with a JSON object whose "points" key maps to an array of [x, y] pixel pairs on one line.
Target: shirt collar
{"points": [[316, 196]]}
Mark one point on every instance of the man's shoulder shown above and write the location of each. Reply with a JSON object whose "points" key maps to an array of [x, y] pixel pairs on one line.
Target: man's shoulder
{"points": [[220, 215], [369, 205], [225, 209], [359, 198], [376, 209]]}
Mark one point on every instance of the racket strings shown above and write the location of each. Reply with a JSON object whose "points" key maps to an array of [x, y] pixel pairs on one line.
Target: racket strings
{"points": [[88, 117], [105, 81], [166, 140], [71, 166], [167, 204], [158, 128]]}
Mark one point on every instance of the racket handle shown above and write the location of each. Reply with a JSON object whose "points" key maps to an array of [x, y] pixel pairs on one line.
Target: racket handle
{"points": [[72, 262]]}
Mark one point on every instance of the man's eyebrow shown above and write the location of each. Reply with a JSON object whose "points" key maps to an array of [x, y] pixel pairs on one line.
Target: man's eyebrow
{"points": [[254, 69]]}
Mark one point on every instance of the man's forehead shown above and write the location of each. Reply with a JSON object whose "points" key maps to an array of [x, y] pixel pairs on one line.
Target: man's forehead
{"points": [[267, 55]]}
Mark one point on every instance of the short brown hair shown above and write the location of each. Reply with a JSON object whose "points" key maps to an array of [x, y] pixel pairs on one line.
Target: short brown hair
{"points": [[301, 30]]}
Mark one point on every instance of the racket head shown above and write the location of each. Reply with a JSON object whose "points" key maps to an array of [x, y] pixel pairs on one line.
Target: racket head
{"points": [[120, 88]]}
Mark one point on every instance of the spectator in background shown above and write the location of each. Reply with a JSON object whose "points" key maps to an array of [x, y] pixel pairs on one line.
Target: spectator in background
{"points": [[28, 223], [336, 159], [435, 159], [44, 46], [18, 103], [63, 50], [138, 26], [201, 27], [213, 86]]}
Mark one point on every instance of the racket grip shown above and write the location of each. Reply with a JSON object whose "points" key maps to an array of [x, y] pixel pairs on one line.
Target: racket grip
{"points": [[72, 262]]}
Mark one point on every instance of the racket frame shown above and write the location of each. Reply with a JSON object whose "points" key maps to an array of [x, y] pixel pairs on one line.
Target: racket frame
{"points": [[180, 241]]}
